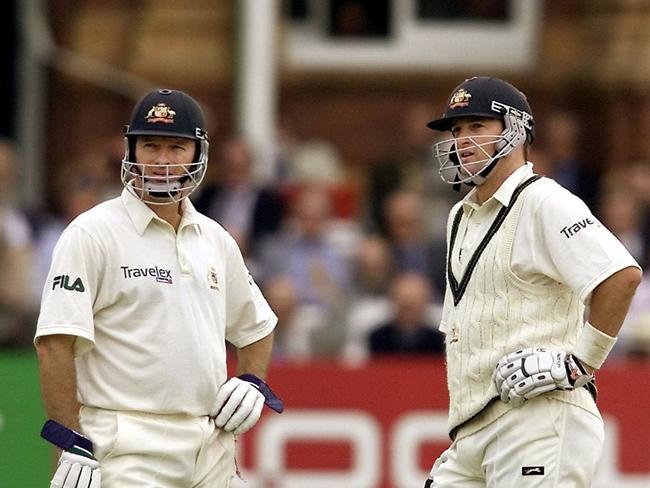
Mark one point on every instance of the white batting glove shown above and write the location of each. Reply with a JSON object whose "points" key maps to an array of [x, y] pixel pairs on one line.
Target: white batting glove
{"points": [[76, 471], [77, 466], [525, 374], [238, 406]]}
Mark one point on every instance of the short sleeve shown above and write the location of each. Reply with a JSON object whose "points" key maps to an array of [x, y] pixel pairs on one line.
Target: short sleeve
{"points": [[249, 317], [573, 247], [70, 289]]}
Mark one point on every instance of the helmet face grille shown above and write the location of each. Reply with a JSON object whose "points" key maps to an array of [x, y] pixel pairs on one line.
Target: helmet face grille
{"points": [[161, 190], [168, 188], [453, 171]]}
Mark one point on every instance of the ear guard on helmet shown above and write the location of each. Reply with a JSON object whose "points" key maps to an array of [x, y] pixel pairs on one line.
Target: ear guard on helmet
{"points": [[518, 128]]}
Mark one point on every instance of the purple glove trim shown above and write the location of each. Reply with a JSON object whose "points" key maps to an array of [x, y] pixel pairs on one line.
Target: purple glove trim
{"points": [[66, 439], [270, 398]]}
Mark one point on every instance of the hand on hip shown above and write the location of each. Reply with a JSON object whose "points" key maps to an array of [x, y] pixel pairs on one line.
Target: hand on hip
{"points": [[238, 406]]}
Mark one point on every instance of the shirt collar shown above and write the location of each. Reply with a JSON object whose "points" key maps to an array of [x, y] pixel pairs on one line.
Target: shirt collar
{"points": [[504, 193], [141, 215], [190, 215]]}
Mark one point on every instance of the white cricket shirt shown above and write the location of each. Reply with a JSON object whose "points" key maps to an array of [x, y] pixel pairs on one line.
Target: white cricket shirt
{"points": [[557, 240], [151, 307]]}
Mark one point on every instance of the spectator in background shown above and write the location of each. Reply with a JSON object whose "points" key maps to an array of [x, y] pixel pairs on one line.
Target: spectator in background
{"points": [[411, 247], [112, 147], [370, 304], [409, 168], [316, 161], [638, 178], [280, 293], [248, 212], [623, 208], [411, 330], [18, 307], [304, 252], [298, 158], [298, 325], [621, 211], [634, 338], [76, 194], [560, 137], [96, 164]]}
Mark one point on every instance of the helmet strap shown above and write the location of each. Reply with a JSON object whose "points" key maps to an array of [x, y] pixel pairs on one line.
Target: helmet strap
{"points": [[483, 174], [513, 135]]}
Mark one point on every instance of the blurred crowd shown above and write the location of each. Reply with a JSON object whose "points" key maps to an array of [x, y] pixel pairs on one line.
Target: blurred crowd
{"points": [[353, 267]]}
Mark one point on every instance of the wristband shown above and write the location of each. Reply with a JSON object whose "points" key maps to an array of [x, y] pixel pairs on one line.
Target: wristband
{"points": [[270, 399], [67, 439], [593, 346]]}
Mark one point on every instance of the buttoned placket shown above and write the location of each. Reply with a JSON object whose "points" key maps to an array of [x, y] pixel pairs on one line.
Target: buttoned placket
{"points": [[183, 259], [468, 233], [464, 241]]}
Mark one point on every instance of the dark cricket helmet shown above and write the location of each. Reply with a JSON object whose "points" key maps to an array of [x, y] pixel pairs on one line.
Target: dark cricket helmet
{"points": [[488, 97], [167, 113]]}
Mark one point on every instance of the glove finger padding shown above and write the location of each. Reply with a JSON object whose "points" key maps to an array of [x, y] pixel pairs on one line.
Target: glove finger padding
{"points": [[85, 476], [223, 395], [531, 387], [78, 477], [73, 476], [246, 424], [509, 365], [61, 474], [243, 410], [96, 482], [238, 405], [75, 471]]}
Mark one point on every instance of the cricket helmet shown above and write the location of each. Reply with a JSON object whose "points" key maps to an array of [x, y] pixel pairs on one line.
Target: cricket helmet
{"points": [[166, 113], [483, 97]]}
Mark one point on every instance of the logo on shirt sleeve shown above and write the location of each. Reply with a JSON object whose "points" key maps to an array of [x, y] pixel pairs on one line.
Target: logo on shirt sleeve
{"points": [[64, 281], [213, 279], [573, 229]]}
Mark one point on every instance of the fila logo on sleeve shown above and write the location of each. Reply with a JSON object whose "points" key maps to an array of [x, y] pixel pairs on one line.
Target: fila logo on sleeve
{"points": [[63, 281]]}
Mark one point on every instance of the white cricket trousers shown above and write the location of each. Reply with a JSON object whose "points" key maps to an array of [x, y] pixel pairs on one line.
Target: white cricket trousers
{"points": [[140, 450], [544, 443]]}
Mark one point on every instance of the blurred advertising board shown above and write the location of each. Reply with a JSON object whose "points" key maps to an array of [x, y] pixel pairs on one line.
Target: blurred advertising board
{"points": [[376, 425], [382, 424]]}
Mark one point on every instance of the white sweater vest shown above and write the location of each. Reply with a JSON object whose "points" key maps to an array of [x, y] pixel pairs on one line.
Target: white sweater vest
{"points": [[499, 314]]}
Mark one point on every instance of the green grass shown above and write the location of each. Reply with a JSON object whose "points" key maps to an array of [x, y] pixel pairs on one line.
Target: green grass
{"points": [[25, 459]]}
